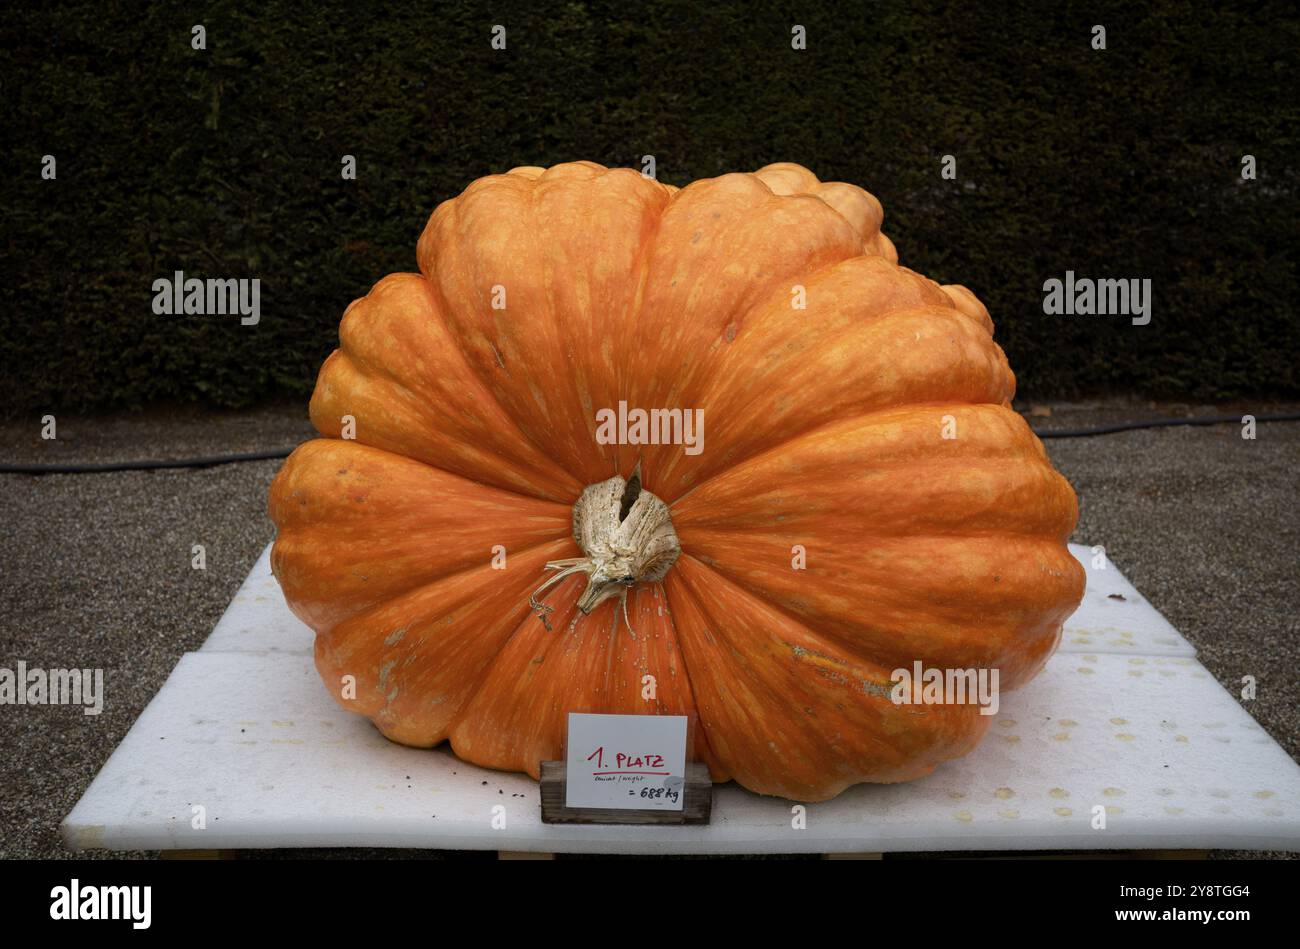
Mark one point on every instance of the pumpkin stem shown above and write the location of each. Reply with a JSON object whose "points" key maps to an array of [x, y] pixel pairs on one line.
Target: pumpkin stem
{"points": [[566, 567], [628, 538]]}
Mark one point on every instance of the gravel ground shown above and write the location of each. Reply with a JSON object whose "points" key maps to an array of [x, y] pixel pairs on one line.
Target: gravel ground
{"points": [[95, 568]]}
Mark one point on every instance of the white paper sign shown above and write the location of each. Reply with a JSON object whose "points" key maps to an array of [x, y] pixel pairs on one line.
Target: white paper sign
{"points": [[629, 762]]}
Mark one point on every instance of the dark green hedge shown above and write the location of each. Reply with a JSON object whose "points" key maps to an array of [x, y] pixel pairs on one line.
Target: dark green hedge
{"points": [[1122, 163]]}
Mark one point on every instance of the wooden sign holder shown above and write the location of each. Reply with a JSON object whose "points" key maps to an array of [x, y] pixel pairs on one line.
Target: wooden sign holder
{"points": [[697, 801]]}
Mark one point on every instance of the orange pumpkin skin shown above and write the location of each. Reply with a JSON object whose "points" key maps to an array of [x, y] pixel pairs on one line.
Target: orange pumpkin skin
{"points": [[475, 433]]}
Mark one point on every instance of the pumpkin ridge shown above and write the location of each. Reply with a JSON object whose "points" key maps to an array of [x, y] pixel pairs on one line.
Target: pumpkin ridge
{"points": [[739, 585], [349, 363], [676, 373], [893, 753], [485, 383], [350, 636], [704, 750], [475, 716], [365, 367], [563, 591], [1016, 645], [423, 582], [544, 209], [635, 306], [713, 361], [783, 446], [857, 412]]}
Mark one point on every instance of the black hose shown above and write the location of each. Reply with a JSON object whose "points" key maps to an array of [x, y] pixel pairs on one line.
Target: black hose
{"points": [[208, 461], [144, 465], [1161, 423]]}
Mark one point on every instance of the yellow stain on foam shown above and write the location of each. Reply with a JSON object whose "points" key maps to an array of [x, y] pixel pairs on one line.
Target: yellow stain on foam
{"points": [[964, 816], [1063, 812], [1059, 793], [1004, 793]]}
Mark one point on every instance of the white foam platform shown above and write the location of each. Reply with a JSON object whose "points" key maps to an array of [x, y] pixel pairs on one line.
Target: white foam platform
{"points": [[1126, 720]]}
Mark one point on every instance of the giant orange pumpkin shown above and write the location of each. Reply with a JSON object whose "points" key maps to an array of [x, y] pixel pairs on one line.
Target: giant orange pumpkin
{"points": [[481, 563]]}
